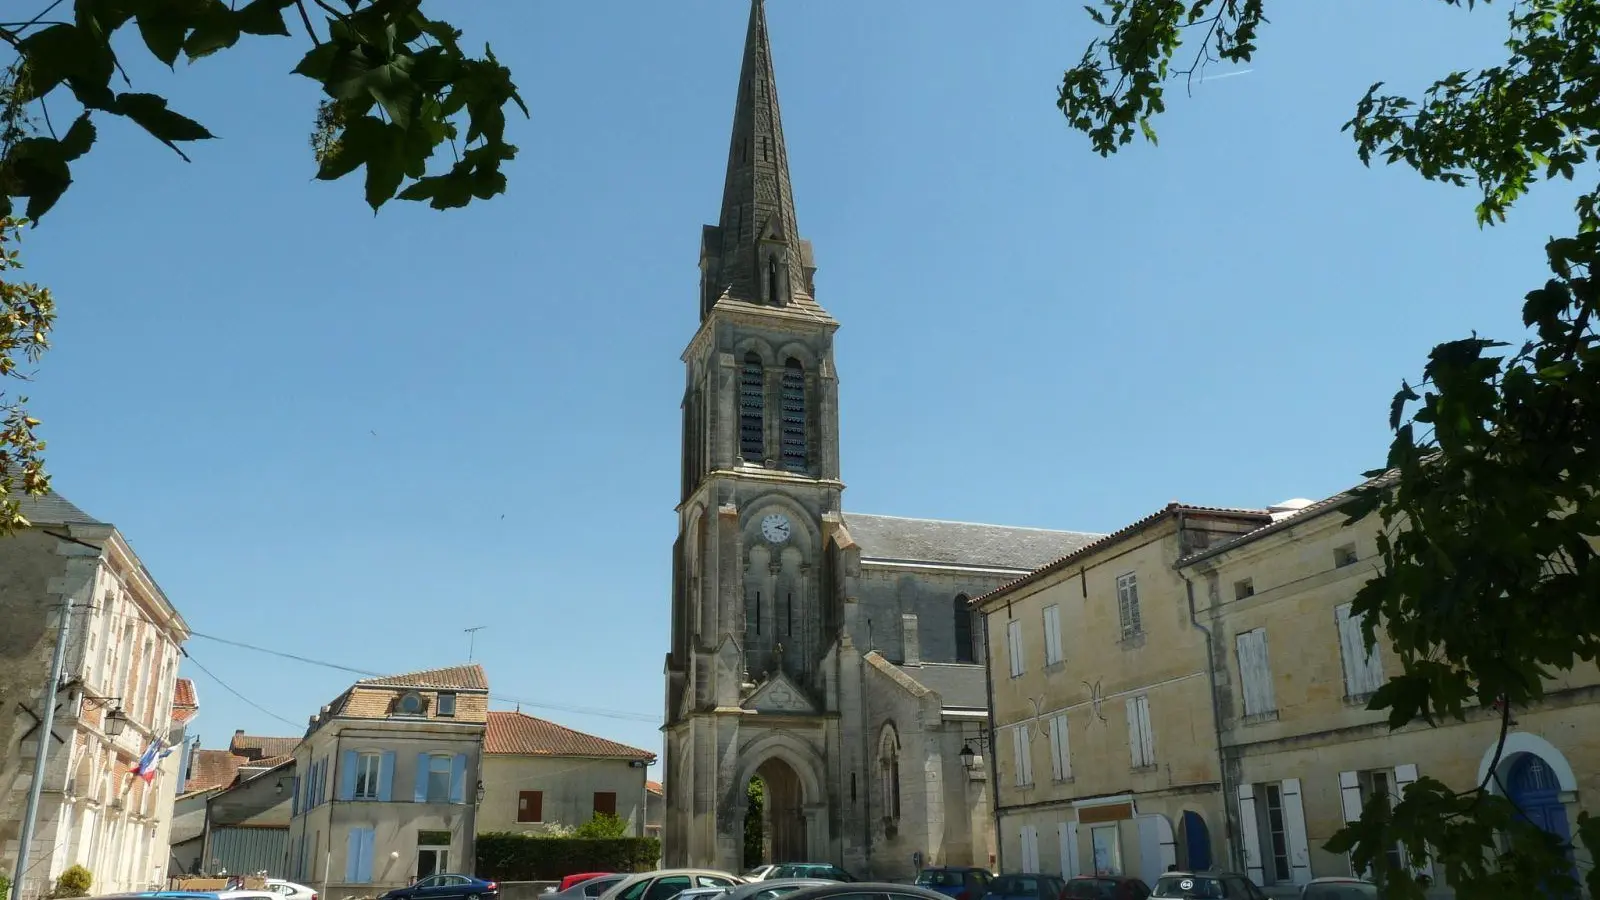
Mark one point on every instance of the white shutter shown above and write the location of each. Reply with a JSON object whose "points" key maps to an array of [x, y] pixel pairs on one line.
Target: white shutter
{"points": [[1255, 673], [1294, 832], [1363, 671], [1030, 847], [1405, 776], [1027, 754], [1060, 747], [1067, 833], [1249, 835], [1052, 635], [1014, 646], [1147, 736], [1017, 754], [1350, 800], [1055, 747], [1135, 739]]}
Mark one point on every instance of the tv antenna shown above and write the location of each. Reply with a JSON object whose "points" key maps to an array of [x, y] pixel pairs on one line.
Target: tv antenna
{"points": [[472, 637]]}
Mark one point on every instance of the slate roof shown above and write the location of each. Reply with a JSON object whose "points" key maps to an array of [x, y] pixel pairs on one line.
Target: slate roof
{"points": [[253, 747], [212, 769], [464, 678], [892, 538], [185, 706], [50, 508], [519, 734], [959, 685]]}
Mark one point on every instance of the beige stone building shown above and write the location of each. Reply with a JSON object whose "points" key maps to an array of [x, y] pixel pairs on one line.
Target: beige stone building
{"points": [[116, 700], [1105, 754], [1301, 753], [537, 774], [386, 782]]}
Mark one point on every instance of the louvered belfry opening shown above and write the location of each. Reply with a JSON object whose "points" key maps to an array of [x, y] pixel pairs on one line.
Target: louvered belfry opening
{"points": [[794, 416], [752, 409]]}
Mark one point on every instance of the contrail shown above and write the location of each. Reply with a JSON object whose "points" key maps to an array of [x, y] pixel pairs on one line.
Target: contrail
{"points": [[1225, 75]]}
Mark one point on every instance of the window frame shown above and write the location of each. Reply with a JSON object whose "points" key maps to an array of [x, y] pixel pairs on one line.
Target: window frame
{"points": [[752, 409], [368, 777], [1128, 615], [1014, 650], [1052, 635], [444, 705], [538, 804], [434, 761]]}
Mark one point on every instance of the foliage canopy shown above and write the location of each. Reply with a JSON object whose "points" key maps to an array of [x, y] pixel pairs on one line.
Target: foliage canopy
{"points": [[1489, 583]]}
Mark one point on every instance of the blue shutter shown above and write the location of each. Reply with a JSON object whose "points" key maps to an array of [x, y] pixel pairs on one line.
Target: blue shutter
{"points": [[458, 779], [421, 794], [386, 776], [352, 857], [347, 776], [294, 796], [364, 870]]}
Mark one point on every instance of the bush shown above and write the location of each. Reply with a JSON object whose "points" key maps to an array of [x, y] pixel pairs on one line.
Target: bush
{"points": [[603, 825], [74, 882], [512, 856], [5, 885]]}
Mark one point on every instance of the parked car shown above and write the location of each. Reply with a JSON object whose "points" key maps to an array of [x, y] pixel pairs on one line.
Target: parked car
{"points": [[820, 871], [571, 880], [1106, 887], [772, 888], [288, 890], [759, 873], [665, 884], [446, 887], [588, 889], [1206, 886], [960, 882], [1026, 887], [1338, 888], [863, 890]]}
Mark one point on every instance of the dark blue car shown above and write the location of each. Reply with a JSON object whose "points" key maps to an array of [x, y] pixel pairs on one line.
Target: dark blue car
{"points": [[446, 887], [960, 882], [1026, 887]]}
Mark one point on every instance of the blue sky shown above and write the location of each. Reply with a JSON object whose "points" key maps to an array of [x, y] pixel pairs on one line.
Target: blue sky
{"points": [[349, 437]]}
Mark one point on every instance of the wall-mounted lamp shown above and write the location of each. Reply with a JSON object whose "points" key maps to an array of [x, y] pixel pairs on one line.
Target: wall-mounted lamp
{"points": [[114, 723], [480, 793]]}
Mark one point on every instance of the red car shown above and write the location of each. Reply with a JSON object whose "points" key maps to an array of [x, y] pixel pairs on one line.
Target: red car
{"points": [[580, 878]]}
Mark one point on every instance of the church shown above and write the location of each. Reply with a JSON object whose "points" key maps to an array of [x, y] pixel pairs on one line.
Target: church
{"points": [[829, 654]]}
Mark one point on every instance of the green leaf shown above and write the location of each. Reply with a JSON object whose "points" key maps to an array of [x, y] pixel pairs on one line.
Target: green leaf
{"points": [[317, 64], [216, 29], [162, 31], [150, 113], [263, 17], [65, 52], [80, 137], [39, 172], [360, 140]]}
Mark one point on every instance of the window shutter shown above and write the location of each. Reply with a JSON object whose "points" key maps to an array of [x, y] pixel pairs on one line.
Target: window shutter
{"points": [[420, 795], [352, 856], [1294, 831], [1027, 754], [347, 775], [294, 796], [1055, 747], [1405, 776], [1350, 800], [1250, 835], [1052, 635], [1069, 849], [1060, 747], [1363, 671], [386, 776], [1255, 673], [1147, 735], [1014, 646], [368, 839], [458, 779], [1135, 738], [1016, 754]]}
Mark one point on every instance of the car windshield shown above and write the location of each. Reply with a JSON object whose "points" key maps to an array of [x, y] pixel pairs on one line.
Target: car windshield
{"points": [[1341, 890], [941, 878], [1197, 886], [1012, 885]]}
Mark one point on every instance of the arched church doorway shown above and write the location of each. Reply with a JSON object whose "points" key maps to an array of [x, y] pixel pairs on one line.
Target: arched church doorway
{"points": [[775, 820]]}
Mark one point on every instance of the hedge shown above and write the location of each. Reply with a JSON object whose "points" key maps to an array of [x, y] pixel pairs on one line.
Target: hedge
{"points": [[513, 856]]}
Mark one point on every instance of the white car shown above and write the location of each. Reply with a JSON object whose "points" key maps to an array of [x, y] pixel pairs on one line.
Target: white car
{"points": [[664, 884], [759, 873], [288, 890]]}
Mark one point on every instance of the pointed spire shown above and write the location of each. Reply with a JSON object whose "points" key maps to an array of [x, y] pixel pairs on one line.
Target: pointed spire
{"points": [[755, 254]]}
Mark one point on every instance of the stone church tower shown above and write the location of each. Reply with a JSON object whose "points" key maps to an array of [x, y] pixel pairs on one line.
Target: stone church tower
{"points": [[831, 656]]}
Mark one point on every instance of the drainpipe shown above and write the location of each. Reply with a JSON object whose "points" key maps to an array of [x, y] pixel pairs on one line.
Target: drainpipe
{"points": [[1216, 709], [994, 773]]}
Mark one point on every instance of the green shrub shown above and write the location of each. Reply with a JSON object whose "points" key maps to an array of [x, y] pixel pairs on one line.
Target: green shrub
{"points": [[603, 825], [5, 886], [512, 856], [74, 882]]}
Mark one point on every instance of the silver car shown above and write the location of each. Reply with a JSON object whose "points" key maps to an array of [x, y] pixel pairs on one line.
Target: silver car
{"points": [[666, 884], [588, 889], [769, 889]]}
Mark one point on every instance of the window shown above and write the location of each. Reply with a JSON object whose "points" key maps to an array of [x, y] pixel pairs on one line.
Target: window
{"points": [[1128, 605], [1060, 753], [445, 705], [1277, 839], [667, 887], [410, 704], [530, 806], [963, 617], [439, 778], [752, 409], [889, 771], [1243, 588], [433, 854], [1052, 635], [367, 773], [1363, 671], [1344, 556], [772, 279], [1014, 646], [794, 416], [1141, 741], [1255, 674], [605, 802], [1379, 783], [1022, 751], [1107, 850]]}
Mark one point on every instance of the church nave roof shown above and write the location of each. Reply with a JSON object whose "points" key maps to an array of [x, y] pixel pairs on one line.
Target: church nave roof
{"points": [[960, 544]]}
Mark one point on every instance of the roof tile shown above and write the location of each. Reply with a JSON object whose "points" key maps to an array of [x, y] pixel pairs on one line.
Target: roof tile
{"points": [[516, 733], [892, 538], [465, 678], [253, 747]]}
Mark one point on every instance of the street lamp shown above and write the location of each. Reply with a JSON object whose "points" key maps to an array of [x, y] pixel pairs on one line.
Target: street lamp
{"points": [[967, 755], [115, 722]]}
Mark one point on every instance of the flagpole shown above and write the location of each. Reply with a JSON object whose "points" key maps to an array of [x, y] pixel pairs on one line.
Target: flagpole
{"points": [[47, 721]]}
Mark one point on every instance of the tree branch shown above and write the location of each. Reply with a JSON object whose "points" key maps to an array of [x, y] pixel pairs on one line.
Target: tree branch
{"points": [[306, 18]]}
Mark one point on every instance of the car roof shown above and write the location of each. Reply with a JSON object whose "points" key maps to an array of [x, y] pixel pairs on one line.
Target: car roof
{"points": [[863, 887], [1338, 879]]}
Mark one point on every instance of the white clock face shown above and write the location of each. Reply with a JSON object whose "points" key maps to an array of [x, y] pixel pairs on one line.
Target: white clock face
{"points": [[776, 528]]}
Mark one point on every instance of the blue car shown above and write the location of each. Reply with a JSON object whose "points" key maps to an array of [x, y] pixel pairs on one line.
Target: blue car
{"points": [[1026, 887], [960, 882], [446, 887]]}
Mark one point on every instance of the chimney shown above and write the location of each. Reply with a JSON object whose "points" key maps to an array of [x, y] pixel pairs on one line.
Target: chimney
{"points": [[238, 732], [911, 642]]}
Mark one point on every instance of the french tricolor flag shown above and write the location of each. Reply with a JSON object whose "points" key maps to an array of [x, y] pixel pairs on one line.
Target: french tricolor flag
{"points": [[148, 763]]}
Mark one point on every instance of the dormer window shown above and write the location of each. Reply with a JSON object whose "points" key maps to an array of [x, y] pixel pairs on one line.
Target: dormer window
{"points": [[410, 704], [446, 705]]}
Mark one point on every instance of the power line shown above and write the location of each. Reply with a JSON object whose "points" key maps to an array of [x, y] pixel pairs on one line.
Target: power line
{"points": [[229, 688], [596, 711]]}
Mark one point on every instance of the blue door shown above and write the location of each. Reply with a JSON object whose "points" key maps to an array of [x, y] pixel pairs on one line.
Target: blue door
{"points": [[1535, 791], [1195, 839]]}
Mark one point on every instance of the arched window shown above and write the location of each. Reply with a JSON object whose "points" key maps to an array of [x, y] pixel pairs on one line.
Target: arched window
{"points": [[889, 772], [752, 409], [964, 649], [794, 416], [772, 280]]}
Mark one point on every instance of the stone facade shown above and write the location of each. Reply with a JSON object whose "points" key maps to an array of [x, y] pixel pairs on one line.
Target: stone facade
{"points": [[830, 654], [122, 655], [539, 776]]}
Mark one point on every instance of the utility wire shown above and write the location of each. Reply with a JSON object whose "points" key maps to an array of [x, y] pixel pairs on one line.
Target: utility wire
{"points": [[536, 704], [229, 688]]}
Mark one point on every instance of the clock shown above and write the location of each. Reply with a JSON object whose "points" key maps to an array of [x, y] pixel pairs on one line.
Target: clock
{"points": [[776, 528]]}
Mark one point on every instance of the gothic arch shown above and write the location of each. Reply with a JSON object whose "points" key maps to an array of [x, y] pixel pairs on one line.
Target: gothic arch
{"points": [[805, 537], [800, 756], [757, 346], [1519, 743], [888, 766], [799, 352]]}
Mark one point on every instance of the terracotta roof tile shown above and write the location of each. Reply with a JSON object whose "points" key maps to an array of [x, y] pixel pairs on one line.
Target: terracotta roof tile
{"points": [[185, 706], [211, 768], [654, 787], [516, 733], [251, 746], [465, 678], [1290, 519]]}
